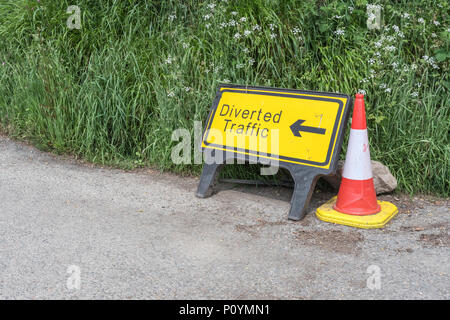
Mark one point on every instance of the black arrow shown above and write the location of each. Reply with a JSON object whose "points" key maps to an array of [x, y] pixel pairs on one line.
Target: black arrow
{"points": [[296, 127]]}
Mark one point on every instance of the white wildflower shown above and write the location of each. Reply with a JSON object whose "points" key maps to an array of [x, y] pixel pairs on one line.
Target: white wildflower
{"points": [[271, 26], [185, 45], [389, 48], [172, 17], [433, 35], [273, 36], [256, 27], [383, 85], [361, 91], [208, 25], [237, 35], [436, 23], [171, 94], [226, 81], [374, 6], [414, 94], [187, 89], [207, 16], [211, 6], [340, 31], [251, 61], [296, 30], [234, 13], [371, 61], [387, 90], [243, 19], [406, 15], [169, 60], [351, 9], [338, 17], [420, 20], [239, 65], [245, 50], [431, 62], [231, 23], [247, 33]]}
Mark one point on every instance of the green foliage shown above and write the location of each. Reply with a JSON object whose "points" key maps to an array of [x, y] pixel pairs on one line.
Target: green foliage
{"points": [[114, 91]]}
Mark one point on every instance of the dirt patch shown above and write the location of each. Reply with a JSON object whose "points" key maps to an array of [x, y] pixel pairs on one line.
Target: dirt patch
{"points": [[247, 229], [407, 250], [332, 240], [407, 204], [441, 226], [253, 228], [435, 240]]}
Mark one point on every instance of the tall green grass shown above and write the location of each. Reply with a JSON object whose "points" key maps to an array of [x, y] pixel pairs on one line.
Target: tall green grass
{"points": [[114, 91]]}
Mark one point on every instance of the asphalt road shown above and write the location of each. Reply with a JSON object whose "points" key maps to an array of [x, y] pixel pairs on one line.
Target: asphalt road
{"points": [[70, 230]]}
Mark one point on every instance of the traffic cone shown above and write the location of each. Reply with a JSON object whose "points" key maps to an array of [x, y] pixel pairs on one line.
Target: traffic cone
{"points": [[357, 193], [356, 204]]}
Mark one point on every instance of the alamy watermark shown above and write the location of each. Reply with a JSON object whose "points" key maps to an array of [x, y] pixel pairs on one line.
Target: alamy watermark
{"points": [[374, 16], [246, 138], [74, 280], [374, 280], [74, 20]]}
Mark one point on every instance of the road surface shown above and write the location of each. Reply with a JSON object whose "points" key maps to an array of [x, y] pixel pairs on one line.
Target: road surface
{"points": [[70, 230]]}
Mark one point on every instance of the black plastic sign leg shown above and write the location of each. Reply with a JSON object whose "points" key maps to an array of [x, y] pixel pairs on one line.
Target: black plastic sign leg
{"points": [[207, 180], [304, 187], [304, 179]]}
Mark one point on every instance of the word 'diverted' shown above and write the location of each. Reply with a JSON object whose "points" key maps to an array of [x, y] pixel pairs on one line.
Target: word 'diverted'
{"points": [[255, 119]]}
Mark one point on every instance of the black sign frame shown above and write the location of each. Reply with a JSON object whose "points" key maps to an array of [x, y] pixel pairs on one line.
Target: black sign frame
{"points": [[305, 176]]}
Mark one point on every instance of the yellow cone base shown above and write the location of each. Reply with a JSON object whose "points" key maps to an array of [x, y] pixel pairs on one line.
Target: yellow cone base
{"points": [[377, 220]]}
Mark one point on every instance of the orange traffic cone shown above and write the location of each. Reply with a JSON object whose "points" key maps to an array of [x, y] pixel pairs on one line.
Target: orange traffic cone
{"points": [[357, 193], [356, 204]]}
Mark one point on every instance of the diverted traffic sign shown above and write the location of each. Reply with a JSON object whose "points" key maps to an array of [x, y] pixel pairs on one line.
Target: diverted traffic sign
{"points": [[301, 131]]}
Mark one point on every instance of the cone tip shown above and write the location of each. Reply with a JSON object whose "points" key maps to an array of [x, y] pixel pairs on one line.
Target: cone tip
{"points": [[359, 114]]}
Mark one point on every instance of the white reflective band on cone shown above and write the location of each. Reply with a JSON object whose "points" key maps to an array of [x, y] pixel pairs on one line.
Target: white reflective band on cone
{"points": [[357, 164]]}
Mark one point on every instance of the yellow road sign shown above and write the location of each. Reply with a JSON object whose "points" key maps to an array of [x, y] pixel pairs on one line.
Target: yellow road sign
{"points": [[287, 125]]}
